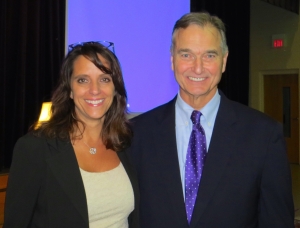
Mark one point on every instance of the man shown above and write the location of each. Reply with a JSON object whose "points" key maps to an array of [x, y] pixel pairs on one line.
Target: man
{"points": [[239, 176]]}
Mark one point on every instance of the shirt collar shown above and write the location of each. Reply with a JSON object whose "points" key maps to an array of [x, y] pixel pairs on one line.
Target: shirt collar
{"points": [[208, 111]]}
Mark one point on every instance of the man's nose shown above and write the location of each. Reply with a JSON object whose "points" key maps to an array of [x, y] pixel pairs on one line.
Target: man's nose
{"points": [[198, 66]]}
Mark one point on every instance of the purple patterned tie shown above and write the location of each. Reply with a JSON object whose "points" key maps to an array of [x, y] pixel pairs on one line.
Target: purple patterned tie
{"points": [[195, 159]]}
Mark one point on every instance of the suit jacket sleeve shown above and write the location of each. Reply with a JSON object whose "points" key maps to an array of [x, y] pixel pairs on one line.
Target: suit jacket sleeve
{"points": [[276, 203], [25, 178]]}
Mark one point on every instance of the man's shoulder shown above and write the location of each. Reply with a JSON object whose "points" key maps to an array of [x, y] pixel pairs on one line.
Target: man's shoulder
{"points": [[249, 114], [155, 114]]}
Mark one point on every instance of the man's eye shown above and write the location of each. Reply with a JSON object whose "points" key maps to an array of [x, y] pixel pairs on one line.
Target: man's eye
{"points": [[210, 56], [185, 55]]}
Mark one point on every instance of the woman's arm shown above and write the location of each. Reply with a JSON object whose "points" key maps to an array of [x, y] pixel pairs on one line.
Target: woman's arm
{"points": [[25, 178]]}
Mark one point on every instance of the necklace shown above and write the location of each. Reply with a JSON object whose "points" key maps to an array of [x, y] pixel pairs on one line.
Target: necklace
{"points": [[93, 150]]}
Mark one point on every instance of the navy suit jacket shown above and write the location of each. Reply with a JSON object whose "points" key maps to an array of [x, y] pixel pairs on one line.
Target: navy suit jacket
{"points": [[45, 188], [245, 182]]}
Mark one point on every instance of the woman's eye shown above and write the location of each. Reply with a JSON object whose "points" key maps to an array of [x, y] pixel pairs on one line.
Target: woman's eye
{"points": [[105, 78], [82, 80]]}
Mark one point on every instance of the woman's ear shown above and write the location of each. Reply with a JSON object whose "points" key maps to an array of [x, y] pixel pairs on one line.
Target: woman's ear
{"points": [[71, 95]]}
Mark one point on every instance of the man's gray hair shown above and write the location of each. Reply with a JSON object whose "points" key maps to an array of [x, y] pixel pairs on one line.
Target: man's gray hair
{"points": [[202, 19]]}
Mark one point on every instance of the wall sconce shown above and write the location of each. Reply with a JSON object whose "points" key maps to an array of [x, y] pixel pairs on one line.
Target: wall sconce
{"points": [[45, 113]]}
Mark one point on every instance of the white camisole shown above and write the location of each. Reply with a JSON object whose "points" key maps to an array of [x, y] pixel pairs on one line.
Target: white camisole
{"points": [[109, 196]]}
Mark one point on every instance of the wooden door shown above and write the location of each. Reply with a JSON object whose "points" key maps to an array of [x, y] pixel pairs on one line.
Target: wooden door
{"points": [[281, 103]]}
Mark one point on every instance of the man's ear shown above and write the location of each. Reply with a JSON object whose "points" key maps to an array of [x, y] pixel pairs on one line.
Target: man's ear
{"points": [[224, 62], [172, 65]]}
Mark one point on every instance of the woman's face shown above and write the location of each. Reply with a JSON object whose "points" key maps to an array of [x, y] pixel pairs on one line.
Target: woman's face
{"points": [[91, 89]]}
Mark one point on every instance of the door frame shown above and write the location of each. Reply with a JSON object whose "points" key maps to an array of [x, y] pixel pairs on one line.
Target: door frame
{"points": [[262, 73]]}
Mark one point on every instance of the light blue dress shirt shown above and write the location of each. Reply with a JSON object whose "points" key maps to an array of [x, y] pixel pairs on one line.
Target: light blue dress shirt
{"points": [[184, 127]]}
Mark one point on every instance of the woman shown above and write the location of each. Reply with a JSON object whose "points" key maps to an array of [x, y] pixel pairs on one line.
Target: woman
{"points": [[67, 172]]}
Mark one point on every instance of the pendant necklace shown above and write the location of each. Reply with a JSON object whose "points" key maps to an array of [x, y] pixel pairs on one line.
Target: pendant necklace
{"points": [[93, 150]]}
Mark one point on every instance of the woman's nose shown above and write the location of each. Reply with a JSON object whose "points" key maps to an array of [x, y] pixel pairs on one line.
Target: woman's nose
{"points": [[95, 88]]}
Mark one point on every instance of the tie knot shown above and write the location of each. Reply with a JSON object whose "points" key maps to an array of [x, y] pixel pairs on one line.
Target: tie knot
{"points": [[195, 117]]}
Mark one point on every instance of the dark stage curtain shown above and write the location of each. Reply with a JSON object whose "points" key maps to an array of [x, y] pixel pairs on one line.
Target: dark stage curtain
{"points": [[236, 16], [32, 49]]}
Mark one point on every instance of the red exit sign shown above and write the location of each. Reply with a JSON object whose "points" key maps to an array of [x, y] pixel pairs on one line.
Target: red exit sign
{"points": [[278, 41]]}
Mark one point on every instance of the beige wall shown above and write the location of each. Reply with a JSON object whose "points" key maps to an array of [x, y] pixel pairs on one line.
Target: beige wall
{"points": [[267, 20]]}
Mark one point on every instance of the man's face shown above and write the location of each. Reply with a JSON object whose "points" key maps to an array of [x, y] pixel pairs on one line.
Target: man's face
{"points": [[198, 63]]}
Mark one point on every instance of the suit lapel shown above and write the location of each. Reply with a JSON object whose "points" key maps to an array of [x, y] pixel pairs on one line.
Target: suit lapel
{"points": [[166, 152], [221, 147], [63, 164]]}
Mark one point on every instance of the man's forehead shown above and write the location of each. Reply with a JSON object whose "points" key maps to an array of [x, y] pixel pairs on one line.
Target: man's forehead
{"points": [[195, 34], [194, 28]]}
